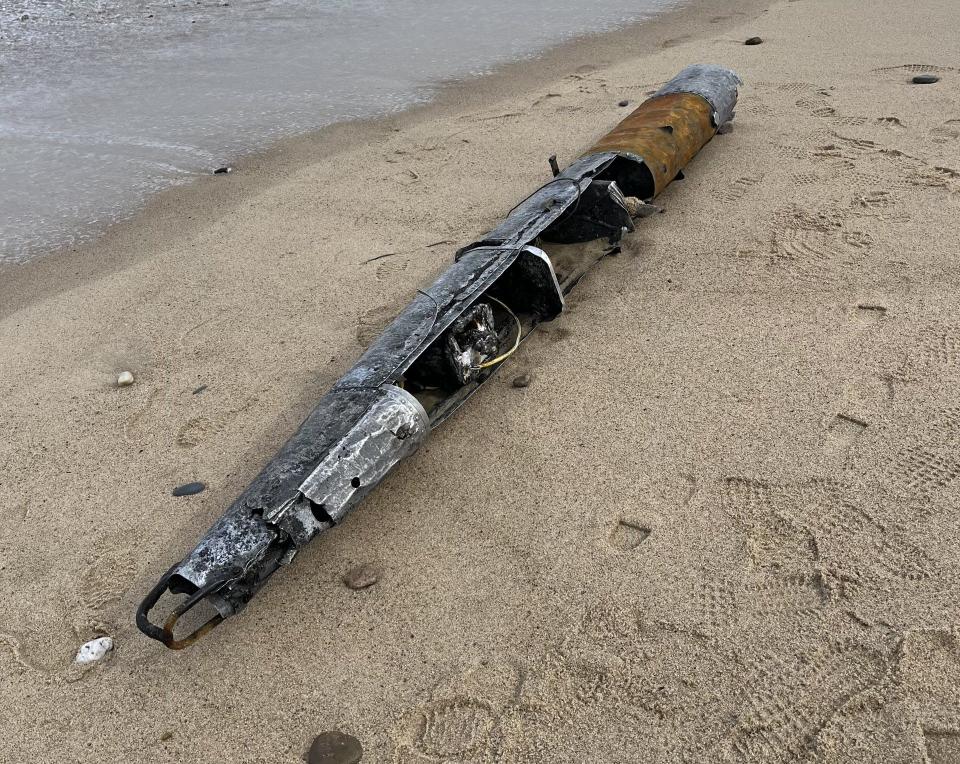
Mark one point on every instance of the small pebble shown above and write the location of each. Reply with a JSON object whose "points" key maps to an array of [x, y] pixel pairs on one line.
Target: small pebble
{"points": [[335, 748], [361, 576], [166, 736], [753, 41], [624, 103], [521, 381], [189, 489], [222, 170], [125, 379], [25, 17], [925, 79], [94, 650]]}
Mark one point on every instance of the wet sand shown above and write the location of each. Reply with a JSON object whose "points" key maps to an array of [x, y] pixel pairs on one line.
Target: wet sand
{"points": [[719, 525]]}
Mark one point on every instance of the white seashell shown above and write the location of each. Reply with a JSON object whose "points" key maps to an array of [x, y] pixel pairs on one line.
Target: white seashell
{"points": [[94, 650], [125, 379]]}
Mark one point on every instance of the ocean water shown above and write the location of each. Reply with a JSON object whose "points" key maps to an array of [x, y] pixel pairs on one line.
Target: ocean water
{"points": [[105, 102]]}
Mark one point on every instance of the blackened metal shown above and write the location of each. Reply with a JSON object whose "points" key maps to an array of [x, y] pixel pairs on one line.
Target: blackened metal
{"points": [[453, 361], [602, 212]]}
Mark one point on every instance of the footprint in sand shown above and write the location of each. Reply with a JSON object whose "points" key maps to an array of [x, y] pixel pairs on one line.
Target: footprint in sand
{"points": [[101, 584], [738, 189], [890, 122], [909, 69], [202, 427], [873, 203], [842, 434], [627, 535], [371, 323], [390, 268], [942, 746], [723, 603], [867, 315], [458, 728], [791, 87], [929, 467], [947, 132], [787, 699], [787, 151], [809, 246], [462, 722], [806, 179]]}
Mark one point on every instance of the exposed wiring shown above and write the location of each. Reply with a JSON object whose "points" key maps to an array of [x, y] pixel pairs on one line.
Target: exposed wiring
{"points": [[516, 344]]}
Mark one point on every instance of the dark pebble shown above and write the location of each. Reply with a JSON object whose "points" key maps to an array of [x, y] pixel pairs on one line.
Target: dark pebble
{"points": [[753, 41], [335, 748], [521, 381], [361, 576], [222, 170], [189, 489], [624, 103], [199, 389], [925, 79]]}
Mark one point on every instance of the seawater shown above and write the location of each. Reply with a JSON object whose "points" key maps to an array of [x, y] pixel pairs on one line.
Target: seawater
{"points": [[106, 102]]}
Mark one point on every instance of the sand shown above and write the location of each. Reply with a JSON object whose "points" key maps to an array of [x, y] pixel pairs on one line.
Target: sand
{"points": [[720, 524]]}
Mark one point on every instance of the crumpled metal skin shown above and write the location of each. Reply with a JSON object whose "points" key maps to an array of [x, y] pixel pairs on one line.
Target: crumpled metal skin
{"points": [[365, 425], [717, 85]]}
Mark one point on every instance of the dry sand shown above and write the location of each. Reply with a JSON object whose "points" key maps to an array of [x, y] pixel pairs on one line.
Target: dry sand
{"points": [[720, 525]]}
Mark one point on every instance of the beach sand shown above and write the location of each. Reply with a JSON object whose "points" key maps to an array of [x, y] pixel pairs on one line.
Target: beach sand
{"points": [[719, 525]]}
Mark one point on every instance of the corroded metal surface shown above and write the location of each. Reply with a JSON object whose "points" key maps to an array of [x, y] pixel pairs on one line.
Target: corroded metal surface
{"points": [[666, 132]]}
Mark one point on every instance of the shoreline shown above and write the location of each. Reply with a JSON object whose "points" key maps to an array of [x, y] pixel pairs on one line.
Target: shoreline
{"points": [[180, 210]]}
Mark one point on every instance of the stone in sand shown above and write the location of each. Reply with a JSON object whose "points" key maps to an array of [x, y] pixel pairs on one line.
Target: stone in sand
{"points": [[362, 576], [624, 103], [753, 41], [522, 380], [334, 747], [125, 379], [925, 79], [189, 489], [223, 170], [94, 650]]}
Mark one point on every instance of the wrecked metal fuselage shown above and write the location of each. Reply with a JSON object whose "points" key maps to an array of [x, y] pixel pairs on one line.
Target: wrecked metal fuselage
{"points": [[451, 338]]}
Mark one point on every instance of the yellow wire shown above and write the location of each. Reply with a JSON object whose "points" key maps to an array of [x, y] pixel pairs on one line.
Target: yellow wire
{"points": [[516, 344]]}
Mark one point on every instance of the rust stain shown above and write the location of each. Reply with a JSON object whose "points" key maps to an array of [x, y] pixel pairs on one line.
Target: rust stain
{"points": [[666, 132]]}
